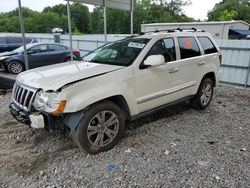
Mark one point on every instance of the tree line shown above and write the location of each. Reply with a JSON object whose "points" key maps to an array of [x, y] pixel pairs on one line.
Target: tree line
{"points": [[118, 21]]}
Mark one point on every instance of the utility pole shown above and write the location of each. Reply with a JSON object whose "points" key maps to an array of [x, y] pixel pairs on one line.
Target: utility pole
{"points": [[23, 35]]}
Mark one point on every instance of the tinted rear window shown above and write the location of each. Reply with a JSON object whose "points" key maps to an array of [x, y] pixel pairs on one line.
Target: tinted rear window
{"points": [[3, 40], [15, 40], [188, 47], [28, 40], [207, 45], [56, 48]]}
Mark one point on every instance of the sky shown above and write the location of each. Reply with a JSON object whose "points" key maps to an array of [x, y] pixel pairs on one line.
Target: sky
{"points": [[197, 10]]}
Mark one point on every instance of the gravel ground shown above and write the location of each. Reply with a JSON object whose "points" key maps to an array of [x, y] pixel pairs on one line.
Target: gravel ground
{"points": [[178, 147]]}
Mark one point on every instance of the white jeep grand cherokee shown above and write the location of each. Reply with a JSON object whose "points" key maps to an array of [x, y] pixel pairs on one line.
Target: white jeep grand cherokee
{"points": [[122, 80]]}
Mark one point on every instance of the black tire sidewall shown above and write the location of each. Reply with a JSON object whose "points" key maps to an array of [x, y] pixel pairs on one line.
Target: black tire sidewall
{"points": [[197, 100], [81, 137], [11, 63]]}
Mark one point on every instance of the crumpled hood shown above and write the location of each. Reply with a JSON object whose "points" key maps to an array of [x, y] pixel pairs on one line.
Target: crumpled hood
{"points": [[56, 76]]}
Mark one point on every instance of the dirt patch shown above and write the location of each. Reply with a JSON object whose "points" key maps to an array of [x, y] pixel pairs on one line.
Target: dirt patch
{"points": [[208, 148]]}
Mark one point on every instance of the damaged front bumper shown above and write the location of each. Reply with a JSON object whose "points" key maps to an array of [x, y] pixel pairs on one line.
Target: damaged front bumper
{"points": [[19, 114], [36, 120], [68, 121]]}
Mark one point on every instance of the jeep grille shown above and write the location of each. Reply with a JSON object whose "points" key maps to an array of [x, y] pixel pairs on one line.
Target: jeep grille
{"points": [[23, 96]]}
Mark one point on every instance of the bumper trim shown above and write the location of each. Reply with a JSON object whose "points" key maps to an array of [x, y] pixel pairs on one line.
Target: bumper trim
{"points": [[19, 114]]}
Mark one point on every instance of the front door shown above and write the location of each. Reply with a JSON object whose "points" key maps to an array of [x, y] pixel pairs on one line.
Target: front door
{"points": [[154, 84]]}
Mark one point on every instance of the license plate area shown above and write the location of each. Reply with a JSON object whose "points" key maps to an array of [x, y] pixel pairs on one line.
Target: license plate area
{"points": [[36, 121]]}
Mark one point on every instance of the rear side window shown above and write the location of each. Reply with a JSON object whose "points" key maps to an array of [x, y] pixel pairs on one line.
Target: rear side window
{"points": [[39, 49], [56, 48], [207, 45], [188, 47], [28, 40], [3, 40], [15, 40]]}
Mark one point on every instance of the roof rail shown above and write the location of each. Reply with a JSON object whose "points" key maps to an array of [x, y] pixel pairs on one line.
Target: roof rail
{"points": [[173, 30], [190, 29]]}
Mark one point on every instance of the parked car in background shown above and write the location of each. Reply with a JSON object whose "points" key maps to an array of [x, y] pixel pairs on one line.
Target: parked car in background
{"points": [[39, 54], [57, 30], [9, 43]]}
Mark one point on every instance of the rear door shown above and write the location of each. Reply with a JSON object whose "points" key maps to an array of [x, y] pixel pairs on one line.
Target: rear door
{"points": [[189, 59], [37, 56], [56, 54]]}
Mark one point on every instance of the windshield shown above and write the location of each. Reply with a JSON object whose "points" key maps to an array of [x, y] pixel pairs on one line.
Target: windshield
{"points": [[20, 49], [121, 52]]}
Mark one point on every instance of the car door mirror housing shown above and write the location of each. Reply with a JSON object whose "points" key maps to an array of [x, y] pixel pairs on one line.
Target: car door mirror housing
{"points": [[154, 60]]}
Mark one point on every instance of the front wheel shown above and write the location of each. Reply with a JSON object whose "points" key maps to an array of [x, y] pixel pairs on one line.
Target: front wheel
{"points": [[15, 67], [101, 128], [204, 95]]}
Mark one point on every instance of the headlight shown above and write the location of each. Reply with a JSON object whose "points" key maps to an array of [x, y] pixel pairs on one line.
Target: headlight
{"points": [[49, 101], [3, 58]]}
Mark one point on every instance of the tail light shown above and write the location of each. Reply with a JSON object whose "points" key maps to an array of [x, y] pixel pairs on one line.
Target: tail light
{"points": [[76, 51]]}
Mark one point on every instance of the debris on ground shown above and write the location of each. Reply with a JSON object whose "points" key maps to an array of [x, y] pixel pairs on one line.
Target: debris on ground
{"points": [[167, 152], [111, 168], [243, 149], [129, 150]]}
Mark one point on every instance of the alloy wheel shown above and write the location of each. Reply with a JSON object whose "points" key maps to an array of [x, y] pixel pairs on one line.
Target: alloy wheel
{"points": [[16, 68], [103, 128], [206, 94]]}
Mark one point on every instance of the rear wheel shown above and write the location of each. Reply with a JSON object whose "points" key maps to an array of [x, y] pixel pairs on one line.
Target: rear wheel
{"points": [[204, 95], [101, 128], [67, 60], [15, 67]]}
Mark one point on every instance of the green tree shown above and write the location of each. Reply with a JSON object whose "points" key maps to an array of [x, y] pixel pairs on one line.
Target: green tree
{"points": [[230, 10], [228, 15], [44, 22], [147, 11], [175, 6], [79, 14], [118, 21]]}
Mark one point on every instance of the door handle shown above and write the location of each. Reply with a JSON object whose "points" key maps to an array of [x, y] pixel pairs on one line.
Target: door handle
{"points": [[201, 63], [173, 70]]}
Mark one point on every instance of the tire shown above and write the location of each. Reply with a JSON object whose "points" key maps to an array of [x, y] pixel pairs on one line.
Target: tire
{"points": [[67, 60], [94, 133], [15, 67], [204, 95]]}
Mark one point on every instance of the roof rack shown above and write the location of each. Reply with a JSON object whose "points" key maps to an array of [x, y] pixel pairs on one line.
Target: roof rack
{"points": [[173, 30]]}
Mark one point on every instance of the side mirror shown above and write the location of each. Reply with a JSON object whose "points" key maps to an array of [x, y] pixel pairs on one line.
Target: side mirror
{"points": [[154, 60]]}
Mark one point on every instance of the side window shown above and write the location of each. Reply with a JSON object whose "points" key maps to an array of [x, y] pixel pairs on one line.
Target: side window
{"points": [[188, 47], [164, 47], [56, 48], [207, 45], [39, 49], [15, 40], [28, 40]]}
